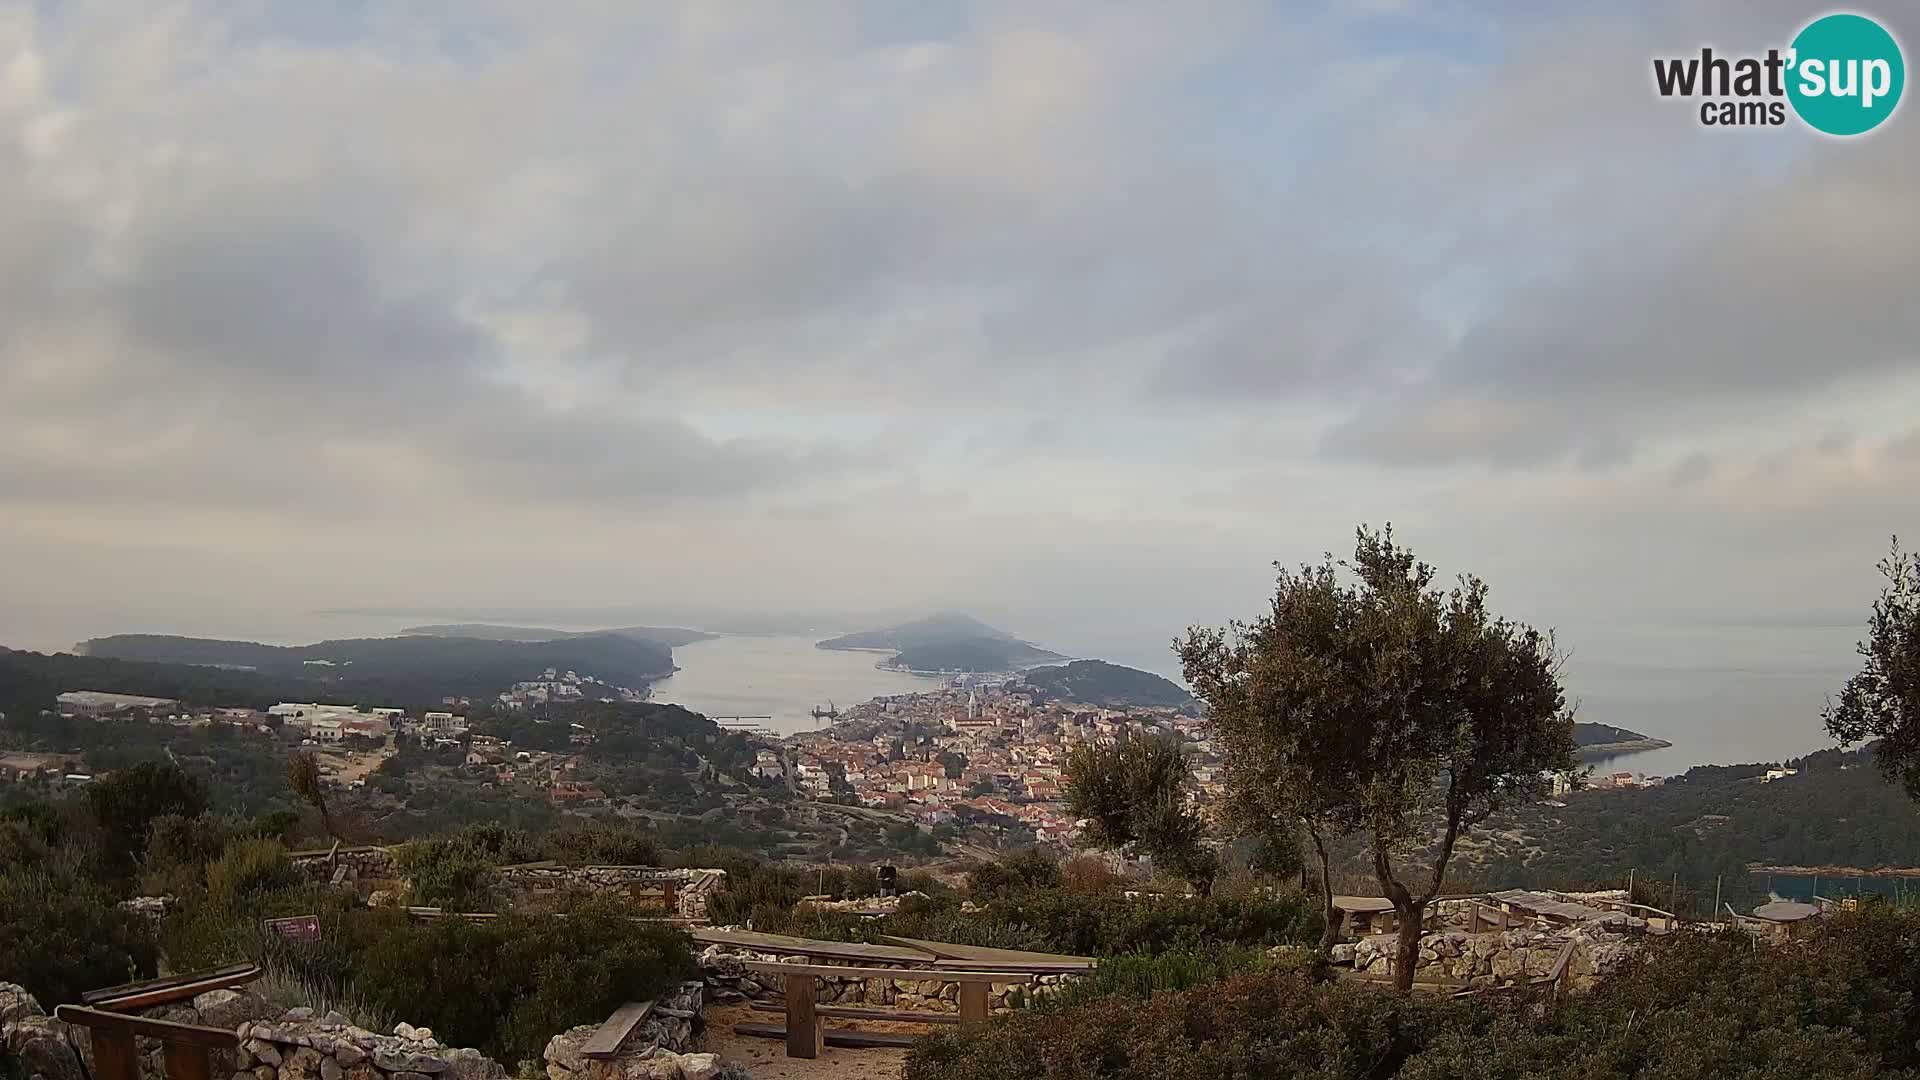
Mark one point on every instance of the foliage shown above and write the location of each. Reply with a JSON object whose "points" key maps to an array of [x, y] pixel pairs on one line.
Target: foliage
{"points": [[1141, 975], [61, 936], [1882, 701], [303, 776], [412, 671], [521, 978], [1134, 794], [247, 870], [1368, 697], [128, 800], [455, 873], [1023, 871], [1097, 682], [1697, 1006]]}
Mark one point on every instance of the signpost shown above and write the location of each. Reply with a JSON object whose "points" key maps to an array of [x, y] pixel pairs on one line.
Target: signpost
{"points": [[296, 928]]}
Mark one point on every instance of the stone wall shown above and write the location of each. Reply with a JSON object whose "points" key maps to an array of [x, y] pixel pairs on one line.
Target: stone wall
{"points": [[275, 1044], [728, 980], [693, 887], [364, 868], [655, 1050], [1499, 957]]}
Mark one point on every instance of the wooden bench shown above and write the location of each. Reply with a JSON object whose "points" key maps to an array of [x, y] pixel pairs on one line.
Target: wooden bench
{"points": [[604, 1044], [163, 991], [845, 1012], [185, 1048], [804, 1032]]}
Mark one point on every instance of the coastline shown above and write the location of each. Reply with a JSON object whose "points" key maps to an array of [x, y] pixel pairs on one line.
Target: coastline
{"points": [[1628, 747]]}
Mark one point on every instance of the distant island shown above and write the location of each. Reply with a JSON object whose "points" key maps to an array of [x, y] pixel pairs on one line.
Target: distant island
{"points": [[670, 636], [1595, 739], [945, 642], [1096, 682], [404, 670]]}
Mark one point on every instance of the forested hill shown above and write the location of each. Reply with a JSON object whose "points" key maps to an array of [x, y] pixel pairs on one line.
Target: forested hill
{"points": [[1709, 824], [1097, 682], [405, 670], [30, 681], [1606, 735], [669, 636], [947, 641]]}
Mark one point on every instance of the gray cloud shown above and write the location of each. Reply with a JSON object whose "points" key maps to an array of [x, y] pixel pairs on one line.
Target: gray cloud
{"points": [[1043, 310]]}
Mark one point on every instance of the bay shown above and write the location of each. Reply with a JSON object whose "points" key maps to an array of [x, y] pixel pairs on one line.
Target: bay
{"points": [[777, 676]]}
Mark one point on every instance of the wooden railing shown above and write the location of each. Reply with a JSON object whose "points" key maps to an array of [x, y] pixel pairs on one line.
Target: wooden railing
{"points": [[186, 1048]]}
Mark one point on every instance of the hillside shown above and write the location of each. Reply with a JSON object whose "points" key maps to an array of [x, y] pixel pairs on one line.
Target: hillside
{"points": [[1605, 738], [1097, 682], [1709, 824], [403, 670], [946, 641], [670, 636]]}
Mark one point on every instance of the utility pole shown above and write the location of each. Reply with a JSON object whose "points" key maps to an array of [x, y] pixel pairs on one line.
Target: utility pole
{"points": [[1716, 898]]}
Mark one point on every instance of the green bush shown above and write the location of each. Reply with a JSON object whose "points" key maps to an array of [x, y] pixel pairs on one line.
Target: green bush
{"points": [[1021, 872], [247, 871], [1141, 975], [455, 874], [60, 936], [1104, 925], [506, 985], [1695, 1006]]}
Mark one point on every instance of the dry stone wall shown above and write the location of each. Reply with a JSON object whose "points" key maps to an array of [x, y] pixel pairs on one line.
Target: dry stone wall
{"points": [[728, 980], [1497, 958], [365, 868], [275, 1044]]}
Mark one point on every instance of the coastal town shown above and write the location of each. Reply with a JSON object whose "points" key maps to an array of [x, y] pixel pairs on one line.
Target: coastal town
{"points": [[973, 752]]}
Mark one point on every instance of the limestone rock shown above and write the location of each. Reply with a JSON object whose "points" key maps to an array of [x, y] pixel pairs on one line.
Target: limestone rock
{"points": [[17, 1004], [469, 1064], [267, 1052], [229, 1008], [331, 1070], [39, 1044], [303, 1063]]}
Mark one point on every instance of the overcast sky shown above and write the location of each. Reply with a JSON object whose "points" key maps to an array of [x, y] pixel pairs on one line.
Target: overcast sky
{"points": [[1075, 316]]}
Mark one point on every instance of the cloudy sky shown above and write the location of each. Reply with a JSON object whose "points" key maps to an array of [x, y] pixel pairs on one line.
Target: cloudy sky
{"points": [[1078, 316]]}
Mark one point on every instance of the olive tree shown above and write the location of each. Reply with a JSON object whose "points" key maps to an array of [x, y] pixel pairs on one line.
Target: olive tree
{"points": [[303, 776], [1133, 794], [1883, 700], [1369, 700]]}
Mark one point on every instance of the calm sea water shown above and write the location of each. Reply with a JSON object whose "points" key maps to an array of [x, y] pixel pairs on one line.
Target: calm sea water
{"points": [[782, 677], [1721, 694]]}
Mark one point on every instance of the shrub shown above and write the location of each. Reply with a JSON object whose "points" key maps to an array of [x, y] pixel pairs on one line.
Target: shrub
{"points": [[455, 874], [61, 936], [1141, 975], [1694, 1006], [246, 872], [1021, 872], [507, 985]]}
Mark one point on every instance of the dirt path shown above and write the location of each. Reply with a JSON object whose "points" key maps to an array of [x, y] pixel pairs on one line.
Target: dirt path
{"points": [[767, 1058]]}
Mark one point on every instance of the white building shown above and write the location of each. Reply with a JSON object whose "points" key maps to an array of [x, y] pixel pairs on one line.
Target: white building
{"points": [[99, 703]]}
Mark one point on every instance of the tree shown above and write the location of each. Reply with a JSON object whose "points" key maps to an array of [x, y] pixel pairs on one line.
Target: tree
{"points": [[303, 775], [61, 936], [127, 800], [1883, 700], [1369, 700], [1134, 794]]}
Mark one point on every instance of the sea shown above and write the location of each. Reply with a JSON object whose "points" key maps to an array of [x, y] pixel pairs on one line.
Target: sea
{"points": [[1721, 694], [781, 677]]}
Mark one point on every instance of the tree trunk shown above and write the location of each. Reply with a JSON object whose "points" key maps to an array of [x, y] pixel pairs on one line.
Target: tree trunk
{"points": [[1330, 919], [1407, 954]]}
